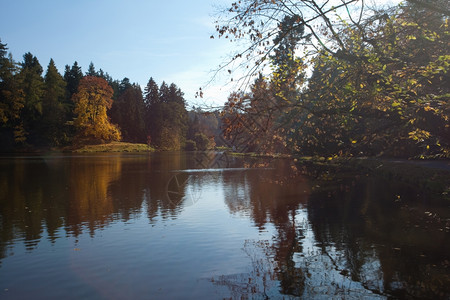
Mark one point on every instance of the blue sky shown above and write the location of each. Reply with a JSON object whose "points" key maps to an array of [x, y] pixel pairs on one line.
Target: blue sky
{"points": [[138, 39]]}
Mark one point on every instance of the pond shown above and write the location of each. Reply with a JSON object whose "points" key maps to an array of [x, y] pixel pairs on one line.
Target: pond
{"points": [[212, 226]]}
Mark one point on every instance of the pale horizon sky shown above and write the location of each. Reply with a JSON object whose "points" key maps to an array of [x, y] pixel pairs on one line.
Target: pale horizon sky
{"points": [[138, 39]]}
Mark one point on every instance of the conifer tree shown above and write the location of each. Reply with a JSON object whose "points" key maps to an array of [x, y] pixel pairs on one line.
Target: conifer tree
{"points": [[72, 76], [128, 112], [91, 70], [33, 88], [11, 102], [151, 101], [54, 113]]}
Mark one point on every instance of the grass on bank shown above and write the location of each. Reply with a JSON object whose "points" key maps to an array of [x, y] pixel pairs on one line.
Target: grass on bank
{"points": [[114, 147]]}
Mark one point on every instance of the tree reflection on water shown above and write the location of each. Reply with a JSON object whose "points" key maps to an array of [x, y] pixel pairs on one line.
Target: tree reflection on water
{"points": [[357, 236], [349, 236], [382, 239]]}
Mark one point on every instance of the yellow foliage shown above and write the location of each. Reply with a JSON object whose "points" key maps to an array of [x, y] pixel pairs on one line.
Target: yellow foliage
{"points": [[92, 101]]}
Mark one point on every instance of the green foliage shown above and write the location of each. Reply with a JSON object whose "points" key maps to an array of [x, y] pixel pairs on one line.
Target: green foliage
{"points": [[55, 111], [72, 76], [128, 112], [166, 118], [393, 99], [380, 86], [12, 101], [54, 116], [11, 95], [33, 89], [91, 70]]}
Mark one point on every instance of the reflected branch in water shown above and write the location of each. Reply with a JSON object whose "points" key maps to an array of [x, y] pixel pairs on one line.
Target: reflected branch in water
{"points": [[260, 281], [377, 241]]}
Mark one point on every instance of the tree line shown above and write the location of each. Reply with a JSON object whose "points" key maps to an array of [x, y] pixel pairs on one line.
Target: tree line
{"points": [[344, 80], [42, 110]]}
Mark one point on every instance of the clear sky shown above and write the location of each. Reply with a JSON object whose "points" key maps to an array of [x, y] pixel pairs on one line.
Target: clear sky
{"points": [[167, 40], [138, 39]]}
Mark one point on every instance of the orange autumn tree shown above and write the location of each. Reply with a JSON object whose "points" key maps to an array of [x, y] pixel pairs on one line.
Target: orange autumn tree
{"points": [[92, 100]]}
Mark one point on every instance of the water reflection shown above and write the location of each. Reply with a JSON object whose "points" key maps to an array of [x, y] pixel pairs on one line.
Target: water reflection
{"points": [[378, 234], [357, 237], [88, 192], [270, 196], [352, 237]]}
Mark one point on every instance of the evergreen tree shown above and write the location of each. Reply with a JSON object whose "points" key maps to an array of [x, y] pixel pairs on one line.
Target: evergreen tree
{"points": [[54, 113], [173, 119], [124, 85], [128, 111], [72, 76], [91, 70], [151, 93], [164, 93], [33, 88], [175, 94], [11, 102], [151, 101], [102, 74], [166, 119]]}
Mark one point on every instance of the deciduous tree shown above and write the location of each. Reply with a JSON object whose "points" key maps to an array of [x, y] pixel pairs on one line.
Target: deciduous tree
{"points": [[379, 81], [93, 99]]}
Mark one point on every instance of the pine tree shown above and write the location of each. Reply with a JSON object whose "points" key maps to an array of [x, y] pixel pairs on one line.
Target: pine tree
{"points": [[124, 85], [72, 76], [176, 95], [11, 102], [168, 118], [151, 93], [33, 88], [91, 70], [128, 111], [54, 114], [151, 101], [164, 93]]}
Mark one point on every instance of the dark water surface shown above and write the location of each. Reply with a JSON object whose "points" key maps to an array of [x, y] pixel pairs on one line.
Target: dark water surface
{"points": [[209, 226]]}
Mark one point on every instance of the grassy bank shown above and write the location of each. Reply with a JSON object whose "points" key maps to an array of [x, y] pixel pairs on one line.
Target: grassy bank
{"points": [[113, 147]]}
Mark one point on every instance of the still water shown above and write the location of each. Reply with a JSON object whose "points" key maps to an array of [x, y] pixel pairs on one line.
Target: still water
{"points": [[211, 226]]}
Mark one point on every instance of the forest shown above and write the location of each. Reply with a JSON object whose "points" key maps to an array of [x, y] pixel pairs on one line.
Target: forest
{"points": [[52, 111], [373, 83]]}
